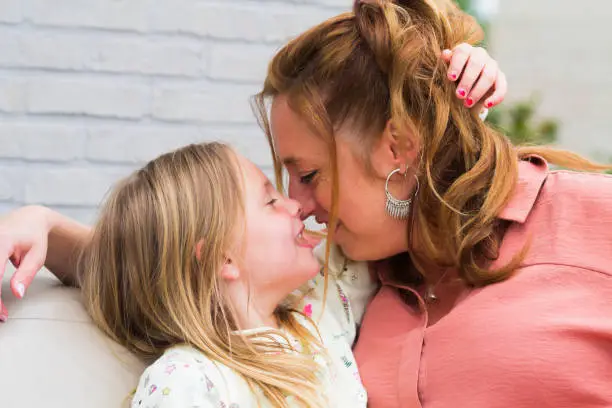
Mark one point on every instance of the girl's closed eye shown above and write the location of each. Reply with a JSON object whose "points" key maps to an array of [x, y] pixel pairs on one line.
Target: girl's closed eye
{"points": [[272, 201], [309, 177]]}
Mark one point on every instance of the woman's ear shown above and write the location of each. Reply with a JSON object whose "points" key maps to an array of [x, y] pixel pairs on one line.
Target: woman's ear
{"points": [[397, 148]]}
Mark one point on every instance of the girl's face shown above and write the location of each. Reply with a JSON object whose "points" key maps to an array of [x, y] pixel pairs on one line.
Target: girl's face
{"points": [[276, 256]]}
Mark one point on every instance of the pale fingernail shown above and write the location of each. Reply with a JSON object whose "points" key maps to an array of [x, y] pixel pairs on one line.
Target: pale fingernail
{"points": [[483, 114], [3, 314], [20, 289]]}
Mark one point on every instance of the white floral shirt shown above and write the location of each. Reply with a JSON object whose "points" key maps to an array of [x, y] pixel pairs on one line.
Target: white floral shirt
{"points": [[183, 377]]}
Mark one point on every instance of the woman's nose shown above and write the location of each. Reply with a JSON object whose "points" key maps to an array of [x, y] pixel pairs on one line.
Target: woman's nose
{"points": [[304, 196]]}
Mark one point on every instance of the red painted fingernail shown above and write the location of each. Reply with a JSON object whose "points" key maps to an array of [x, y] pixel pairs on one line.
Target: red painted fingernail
{"points": [[453, 76], [489, 104], [469, 101], [461, 92]]}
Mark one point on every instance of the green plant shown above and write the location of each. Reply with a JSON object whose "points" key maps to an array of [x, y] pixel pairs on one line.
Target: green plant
{"points": [[518, 122], [465, 5]]}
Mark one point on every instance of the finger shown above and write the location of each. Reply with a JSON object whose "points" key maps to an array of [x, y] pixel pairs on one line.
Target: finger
{"points": [[16, 258], [4, 255], [485, 82], [3, 313], [447, 55], [459, 58], [480, 105], [483, 113], [473, 69], [31, 263], [501, 87]]}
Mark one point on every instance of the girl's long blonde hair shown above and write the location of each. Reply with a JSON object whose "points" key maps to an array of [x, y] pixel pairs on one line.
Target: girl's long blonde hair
{"points": [[146, 288], [379, 63]]}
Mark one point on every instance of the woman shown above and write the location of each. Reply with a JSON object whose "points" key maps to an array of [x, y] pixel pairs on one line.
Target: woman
{"points": [[496, 273], [483, 304]]}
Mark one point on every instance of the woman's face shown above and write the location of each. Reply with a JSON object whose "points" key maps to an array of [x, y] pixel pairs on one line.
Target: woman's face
{"points": [[364, 230]]}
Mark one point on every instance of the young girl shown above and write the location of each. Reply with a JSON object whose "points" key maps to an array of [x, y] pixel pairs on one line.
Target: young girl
{"points": [[194, 264]]}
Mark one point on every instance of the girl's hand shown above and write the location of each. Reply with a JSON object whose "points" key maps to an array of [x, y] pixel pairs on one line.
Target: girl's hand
{"points": [[478, 75], [23, 241]]}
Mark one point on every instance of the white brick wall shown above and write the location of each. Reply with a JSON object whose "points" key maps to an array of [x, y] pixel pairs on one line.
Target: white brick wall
{"points": [[90, 89]]}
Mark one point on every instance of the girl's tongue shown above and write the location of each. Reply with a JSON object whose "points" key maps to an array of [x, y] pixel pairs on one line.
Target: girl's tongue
{"points": [[307, 240]]}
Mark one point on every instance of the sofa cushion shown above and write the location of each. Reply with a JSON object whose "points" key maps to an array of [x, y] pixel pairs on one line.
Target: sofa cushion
{"points": [[52, 355]]}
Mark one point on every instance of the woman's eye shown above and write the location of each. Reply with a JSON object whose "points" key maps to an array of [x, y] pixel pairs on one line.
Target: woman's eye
{"points": [[307, 178], [272, 201]]}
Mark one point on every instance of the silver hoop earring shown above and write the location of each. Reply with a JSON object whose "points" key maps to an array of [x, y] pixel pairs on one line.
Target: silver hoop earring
{"points": [[398, 209]]}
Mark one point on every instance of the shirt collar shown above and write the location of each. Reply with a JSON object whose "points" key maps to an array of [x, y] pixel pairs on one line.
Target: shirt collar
{"points": [[532, 172]]}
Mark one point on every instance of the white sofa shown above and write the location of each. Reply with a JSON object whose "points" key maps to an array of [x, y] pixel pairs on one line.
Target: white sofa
{"points": [[52, 356]]}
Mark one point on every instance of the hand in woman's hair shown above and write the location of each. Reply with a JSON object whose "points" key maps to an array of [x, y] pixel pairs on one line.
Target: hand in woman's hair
{"points": [[479, 76]]}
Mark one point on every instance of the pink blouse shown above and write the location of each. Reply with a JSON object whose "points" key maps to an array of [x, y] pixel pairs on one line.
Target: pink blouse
{"points": [[542, 338]]}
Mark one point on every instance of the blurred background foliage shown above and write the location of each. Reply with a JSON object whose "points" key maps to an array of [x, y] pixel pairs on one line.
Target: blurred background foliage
{"points": [[518, 119]]}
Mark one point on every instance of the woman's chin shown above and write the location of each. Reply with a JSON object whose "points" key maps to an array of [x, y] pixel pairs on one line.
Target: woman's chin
{"points": [[362, 253]]}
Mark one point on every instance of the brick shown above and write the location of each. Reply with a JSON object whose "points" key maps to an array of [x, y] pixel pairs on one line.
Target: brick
{"points": [[235, 20], [11, 11], [45, 142], [101, 53], [104, 98], [250, 141], [137, 144], [242, 62], [12, 95], [11, 183], [216, 104], [165, 57], [341, 5], [6, 190], [108, 15], [76, 186]]}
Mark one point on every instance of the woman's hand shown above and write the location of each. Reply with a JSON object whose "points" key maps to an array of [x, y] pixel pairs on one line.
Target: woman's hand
{"points": [[23, 241], [478, 75]]}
